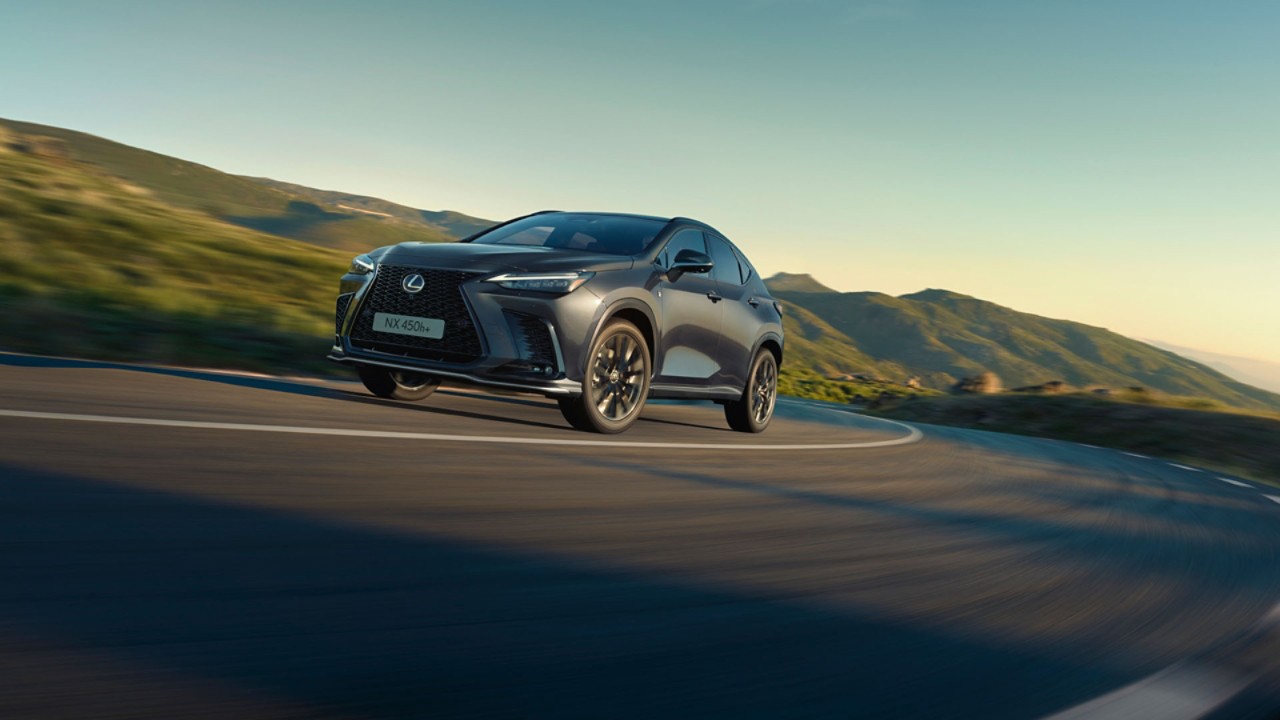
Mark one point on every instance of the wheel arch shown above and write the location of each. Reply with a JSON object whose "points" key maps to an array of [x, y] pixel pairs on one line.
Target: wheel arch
{"points": [[638, 314], [771, 342]]}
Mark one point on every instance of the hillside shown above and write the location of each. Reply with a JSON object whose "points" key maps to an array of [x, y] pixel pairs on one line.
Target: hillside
{"points": [[940, 336], [93, 267], [448, 224], [351, 223]]}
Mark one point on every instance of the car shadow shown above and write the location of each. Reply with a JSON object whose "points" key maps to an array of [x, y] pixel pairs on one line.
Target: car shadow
{"points": [[425, 407], [678, 423]]}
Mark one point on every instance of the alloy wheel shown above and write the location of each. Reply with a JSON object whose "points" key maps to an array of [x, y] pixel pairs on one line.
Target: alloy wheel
{"points": [[617, 376], [764, 386]]}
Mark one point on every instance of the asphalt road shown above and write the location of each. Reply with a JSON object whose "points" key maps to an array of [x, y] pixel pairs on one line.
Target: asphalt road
{"points": [[242, 554]]}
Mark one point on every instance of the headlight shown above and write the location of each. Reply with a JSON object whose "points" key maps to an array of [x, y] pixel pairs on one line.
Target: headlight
{"points": [[558, 283], [362, 265]]}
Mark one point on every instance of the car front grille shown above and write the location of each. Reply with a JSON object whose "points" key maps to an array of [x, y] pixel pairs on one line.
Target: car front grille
{"points": [[440, 298], [344, 302], [532, 339]]}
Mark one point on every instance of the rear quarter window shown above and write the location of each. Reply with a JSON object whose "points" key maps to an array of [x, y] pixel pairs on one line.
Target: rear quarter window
{"points": [[744, 267], [727, 269]]}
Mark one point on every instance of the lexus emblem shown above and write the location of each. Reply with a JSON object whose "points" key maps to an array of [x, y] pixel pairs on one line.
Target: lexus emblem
{"points": [[413, 283]]}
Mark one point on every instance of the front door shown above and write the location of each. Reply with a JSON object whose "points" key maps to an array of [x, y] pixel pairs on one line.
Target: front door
{"points": [[691, 318]]}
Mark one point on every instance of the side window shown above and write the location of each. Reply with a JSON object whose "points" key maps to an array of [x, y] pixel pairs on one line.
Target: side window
{"points": [[726, 270], [687, 239]]}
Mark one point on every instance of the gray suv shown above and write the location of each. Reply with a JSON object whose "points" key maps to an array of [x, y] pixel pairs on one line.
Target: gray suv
{"points": [[599, 311]]}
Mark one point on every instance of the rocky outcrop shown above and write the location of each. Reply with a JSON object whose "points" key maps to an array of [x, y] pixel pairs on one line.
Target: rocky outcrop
{"points": [[986, 383]]}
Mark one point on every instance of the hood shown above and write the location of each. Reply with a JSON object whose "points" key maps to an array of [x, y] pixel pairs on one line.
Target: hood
{"points": [[473, 257]]}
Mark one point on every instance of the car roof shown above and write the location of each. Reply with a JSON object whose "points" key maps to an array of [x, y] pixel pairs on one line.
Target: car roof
{"points": [[656, 218], [607, 214]]}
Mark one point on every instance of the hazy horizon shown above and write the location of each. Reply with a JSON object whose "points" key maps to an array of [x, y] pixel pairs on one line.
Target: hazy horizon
{"points": [[1110, 165]]}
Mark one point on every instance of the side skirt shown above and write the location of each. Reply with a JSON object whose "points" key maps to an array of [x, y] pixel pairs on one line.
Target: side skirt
{"points": [[691, 392]]}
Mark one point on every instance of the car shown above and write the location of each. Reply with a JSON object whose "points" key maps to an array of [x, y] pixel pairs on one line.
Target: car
{"points": [[600, 311]]}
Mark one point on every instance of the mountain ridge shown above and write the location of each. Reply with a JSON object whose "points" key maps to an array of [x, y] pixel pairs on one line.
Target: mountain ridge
{"points": [[939, 336], [265, 205]]}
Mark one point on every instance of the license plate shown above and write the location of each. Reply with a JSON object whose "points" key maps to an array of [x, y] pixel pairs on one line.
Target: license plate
{"points": [[409, 325]]}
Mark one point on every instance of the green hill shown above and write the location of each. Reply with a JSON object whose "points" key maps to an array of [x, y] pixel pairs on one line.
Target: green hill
{"points": [[94, 267], [941, 336], [351, 223], [447, 224]]}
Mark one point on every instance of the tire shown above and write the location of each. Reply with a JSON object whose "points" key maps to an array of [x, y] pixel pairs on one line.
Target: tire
{"points": [[753, 411], [615, 384], [397, 384]]}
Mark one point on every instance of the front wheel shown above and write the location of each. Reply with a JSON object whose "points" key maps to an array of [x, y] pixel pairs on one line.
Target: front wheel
{"points": [[616, 383], [397, 384], [752, 412]]}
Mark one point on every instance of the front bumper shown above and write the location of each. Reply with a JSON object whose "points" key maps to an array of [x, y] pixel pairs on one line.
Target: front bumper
{"points": [[521, 336], [553, 388]]}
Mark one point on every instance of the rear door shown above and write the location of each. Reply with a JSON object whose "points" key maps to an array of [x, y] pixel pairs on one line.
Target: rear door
{"points": [[688, 352]]}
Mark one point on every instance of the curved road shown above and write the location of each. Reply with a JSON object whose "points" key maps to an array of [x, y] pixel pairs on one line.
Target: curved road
{"points": [[192, 544]]}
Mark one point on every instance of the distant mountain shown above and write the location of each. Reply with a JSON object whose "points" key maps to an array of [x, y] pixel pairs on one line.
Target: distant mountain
{"points": [[1261, 373], [940, 336], [351, 223], [798, 282]]}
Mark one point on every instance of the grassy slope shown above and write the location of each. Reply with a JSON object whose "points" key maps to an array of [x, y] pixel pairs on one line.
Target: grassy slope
{"points": [[93, 267], [1235, 442], [290, 211], [449, 224], [941, 336]]}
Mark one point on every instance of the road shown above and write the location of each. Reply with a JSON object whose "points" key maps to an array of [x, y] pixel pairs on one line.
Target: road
{"points": [[193, 544]]}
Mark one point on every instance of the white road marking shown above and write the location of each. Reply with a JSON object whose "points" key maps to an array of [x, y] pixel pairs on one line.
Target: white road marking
{"points": [[1184, 467], [913, 435], [1236, 482], [1273, 498], [1144, 457], [1182, 691]]}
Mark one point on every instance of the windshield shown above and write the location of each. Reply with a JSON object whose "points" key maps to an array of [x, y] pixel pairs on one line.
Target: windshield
{"points": [[608, 234]]}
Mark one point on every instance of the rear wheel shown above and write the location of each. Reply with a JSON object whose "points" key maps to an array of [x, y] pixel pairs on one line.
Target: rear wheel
{"points": [[397, 384], [616, 384], [752, 412]]}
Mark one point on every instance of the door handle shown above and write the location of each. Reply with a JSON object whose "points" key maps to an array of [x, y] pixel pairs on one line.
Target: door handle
{"points": [[754, 302], [714, 297]]}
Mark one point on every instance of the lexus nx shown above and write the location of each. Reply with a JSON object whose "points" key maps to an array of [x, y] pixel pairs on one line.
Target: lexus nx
{"points": [[600, 311]]}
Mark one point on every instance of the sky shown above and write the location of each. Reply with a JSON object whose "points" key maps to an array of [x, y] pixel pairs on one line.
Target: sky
{"points": [[1112, 162]]}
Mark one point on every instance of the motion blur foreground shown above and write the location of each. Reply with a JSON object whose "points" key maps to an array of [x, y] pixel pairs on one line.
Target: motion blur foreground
{"points": [[600, 311]]}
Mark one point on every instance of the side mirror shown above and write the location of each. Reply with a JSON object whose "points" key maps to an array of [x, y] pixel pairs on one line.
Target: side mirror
{"points": [[689, 261]]}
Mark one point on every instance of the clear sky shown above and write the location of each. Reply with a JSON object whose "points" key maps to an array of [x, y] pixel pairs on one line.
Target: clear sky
{"points": [[1115, 162]]}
